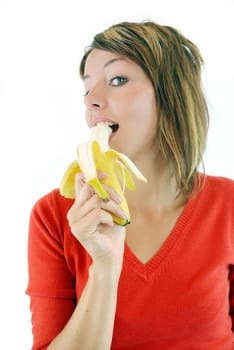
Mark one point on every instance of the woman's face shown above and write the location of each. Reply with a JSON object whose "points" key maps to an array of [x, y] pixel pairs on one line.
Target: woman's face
{"points": [[118, 91]]}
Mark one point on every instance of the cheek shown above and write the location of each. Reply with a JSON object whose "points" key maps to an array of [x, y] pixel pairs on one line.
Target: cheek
{"points": [[144, 108]]}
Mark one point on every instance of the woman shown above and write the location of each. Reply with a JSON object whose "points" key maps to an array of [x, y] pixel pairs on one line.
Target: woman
{"points": [[166, 280]]}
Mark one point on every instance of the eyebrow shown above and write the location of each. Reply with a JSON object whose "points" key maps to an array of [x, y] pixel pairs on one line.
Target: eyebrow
{"points": [[106, 65]]}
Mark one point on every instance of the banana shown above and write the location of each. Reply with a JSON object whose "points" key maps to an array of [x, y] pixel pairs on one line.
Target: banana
{"points": [[96, 155]]}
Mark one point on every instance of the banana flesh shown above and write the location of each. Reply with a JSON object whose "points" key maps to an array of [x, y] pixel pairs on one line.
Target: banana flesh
{"points": [[95, 155]]}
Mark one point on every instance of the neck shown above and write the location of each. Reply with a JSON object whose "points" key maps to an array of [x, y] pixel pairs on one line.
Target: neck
{"points": [[159, 195]]}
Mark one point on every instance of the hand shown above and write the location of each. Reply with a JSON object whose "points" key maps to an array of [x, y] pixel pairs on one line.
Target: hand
{"points": [[92, 224]]}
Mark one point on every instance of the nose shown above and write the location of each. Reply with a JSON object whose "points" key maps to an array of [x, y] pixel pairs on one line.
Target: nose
{"points": [[95, 98]]}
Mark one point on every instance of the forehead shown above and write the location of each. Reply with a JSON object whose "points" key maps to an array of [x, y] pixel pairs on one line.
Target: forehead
{"points": [[100, 59]]}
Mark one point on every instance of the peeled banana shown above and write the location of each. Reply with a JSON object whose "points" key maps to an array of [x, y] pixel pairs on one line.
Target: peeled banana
{"points": [[96, 155]]}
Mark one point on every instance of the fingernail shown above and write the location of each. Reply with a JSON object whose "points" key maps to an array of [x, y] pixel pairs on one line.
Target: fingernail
{"points": [[124, 215], [105, 200], [103, 175], [118, 198]]}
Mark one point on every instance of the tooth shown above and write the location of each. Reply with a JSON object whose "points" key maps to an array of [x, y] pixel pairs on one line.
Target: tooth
{"points": [[96, 155]]}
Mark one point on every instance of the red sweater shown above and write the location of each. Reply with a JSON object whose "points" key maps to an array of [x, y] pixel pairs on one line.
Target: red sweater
{"points": [[183, 298]]}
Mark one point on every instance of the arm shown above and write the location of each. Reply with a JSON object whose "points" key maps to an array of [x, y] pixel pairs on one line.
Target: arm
{"points": [[231, 277], [91, 325], [51, 283], [56, 319]]}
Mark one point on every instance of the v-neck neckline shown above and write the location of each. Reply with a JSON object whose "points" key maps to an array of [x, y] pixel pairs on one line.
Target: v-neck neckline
{"points": [[146, 270]]}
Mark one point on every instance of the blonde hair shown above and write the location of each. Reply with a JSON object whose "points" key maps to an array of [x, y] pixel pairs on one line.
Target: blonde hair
{"points": [[173, 64]]}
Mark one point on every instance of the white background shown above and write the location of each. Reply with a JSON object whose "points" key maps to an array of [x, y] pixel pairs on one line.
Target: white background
{"points": [[41, 110]]}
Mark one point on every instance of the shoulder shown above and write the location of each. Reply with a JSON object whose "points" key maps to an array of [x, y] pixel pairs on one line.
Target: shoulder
{"points": [[215, 208], [218, 192], [53, 200], [220, 185], [220, 180], [50, 211]]}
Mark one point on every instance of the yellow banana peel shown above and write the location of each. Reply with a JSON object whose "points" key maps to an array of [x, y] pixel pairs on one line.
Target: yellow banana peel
{"points": [[95, 155]]}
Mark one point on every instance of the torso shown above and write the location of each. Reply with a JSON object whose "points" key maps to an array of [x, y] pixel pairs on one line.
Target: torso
{"points": [[146, 235]]}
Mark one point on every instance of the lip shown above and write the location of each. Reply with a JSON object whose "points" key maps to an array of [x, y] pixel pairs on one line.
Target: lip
{"points": [[103, 119], [108, 121]]}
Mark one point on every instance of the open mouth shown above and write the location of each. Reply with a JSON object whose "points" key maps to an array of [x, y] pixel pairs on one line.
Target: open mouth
{"points": [[114, 127]]}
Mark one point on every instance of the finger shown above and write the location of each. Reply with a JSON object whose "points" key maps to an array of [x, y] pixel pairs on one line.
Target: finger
{"points": [[99, 216], [86, 228], [94, 202], [113, 194], [83, 207], [83, 191], [79, 182], [113, 208], [102, 175]]}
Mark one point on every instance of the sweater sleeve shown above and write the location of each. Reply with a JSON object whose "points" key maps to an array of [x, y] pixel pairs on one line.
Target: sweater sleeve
{"points": [[51, 286], [231, 275], [232, 295]]}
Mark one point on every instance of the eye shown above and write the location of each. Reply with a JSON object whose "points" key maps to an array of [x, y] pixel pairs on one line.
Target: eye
{"points": [[118, 81], [86, 93]]}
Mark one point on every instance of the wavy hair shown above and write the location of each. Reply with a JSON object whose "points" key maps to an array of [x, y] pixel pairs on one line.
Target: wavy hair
{"points": [[173, 64]]}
